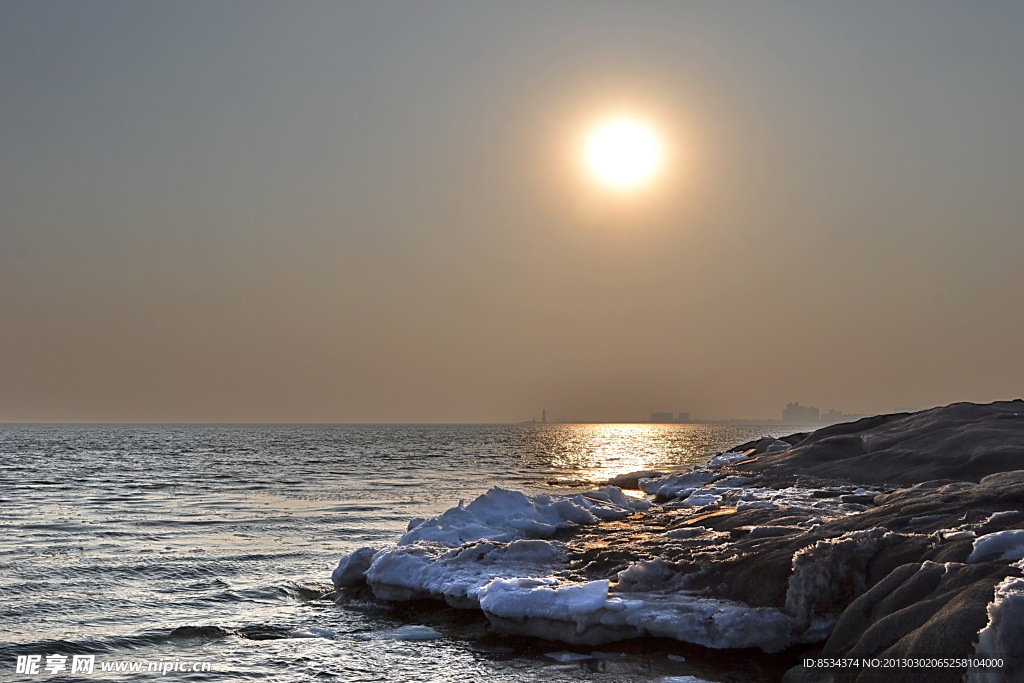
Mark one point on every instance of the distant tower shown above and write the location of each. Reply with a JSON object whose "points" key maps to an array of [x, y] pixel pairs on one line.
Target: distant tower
{"points": [[543, 416]]}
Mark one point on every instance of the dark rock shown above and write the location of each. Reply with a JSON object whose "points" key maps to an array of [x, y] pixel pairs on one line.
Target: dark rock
{"points": [[631, 480], [919, 610], [859, 498], [963, 441]]}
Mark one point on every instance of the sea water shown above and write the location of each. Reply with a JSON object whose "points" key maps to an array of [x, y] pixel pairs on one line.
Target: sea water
{"points": [[205, 551]]}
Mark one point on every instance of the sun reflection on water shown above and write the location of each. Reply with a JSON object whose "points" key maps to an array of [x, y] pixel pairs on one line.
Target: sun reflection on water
{"points": [[596, 452]]}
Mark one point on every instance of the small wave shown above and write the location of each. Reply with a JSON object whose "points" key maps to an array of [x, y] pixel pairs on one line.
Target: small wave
{"points": [[271, 594], [114, 644]]}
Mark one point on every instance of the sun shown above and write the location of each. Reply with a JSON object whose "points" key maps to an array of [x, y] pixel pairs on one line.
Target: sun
{"points": [[623, 153]]}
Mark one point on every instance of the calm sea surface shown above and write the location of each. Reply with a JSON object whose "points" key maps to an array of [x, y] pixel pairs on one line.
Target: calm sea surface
{"points": [[215, 543]]}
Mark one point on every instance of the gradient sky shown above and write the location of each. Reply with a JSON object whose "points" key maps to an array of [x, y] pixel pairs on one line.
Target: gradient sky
{"points": [[373, 211]]}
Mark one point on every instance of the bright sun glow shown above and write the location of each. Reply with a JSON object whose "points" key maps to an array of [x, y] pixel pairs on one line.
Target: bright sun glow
{"points": [[623, 153]]}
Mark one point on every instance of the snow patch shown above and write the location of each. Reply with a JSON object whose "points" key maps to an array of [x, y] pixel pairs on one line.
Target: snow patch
{"points": [[1009, 545], [1002, 516]]}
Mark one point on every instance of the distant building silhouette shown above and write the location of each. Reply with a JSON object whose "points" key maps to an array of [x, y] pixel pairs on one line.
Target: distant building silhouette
{"points": [[684, 417], [833, 415], [798, 414], [662, 417]]}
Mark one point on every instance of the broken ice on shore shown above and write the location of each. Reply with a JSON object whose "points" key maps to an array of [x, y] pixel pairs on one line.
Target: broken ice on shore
{"points": [[498, 554]]}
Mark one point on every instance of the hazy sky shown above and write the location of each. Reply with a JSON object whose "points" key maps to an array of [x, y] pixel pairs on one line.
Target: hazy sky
{"points": [[375, 211]]}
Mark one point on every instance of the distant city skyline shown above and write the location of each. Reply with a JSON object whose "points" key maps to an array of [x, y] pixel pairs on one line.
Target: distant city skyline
{"points": [[793, 413]]}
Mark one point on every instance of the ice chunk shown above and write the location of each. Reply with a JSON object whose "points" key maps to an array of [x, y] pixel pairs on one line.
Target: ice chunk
{"points": [[1003, 636], [415, 633], [455, 575], [720, 624], [410, 633], [503, 515], [352, 568], [756, 505], [728, 458], [615, 496], [313, 632], [525, 598], [672, 485], [700, 498], [533, 551], [1008, 545], [587, 614]]}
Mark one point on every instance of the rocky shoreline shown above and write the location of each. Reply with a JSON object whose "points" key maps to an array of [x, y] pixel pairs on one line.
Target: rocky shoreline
{"points": [[895, 537]]}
